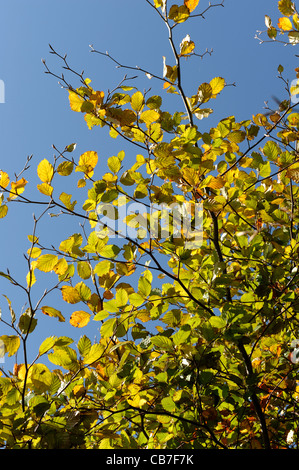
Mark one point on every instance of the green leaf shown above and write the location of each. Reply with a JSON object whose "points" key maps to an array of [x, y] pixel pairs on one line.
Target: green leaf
{"points": [[168, 404], [47, 344], [65, 357], [182, 335], [217, 322], [162, 342], [95, 353], [154, 102], [144, 286], [84, 345]]}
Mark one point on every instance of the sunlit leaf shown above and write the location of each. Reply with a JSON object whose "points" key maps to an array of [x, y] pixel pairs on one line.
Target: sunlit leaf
{"points": [[191, 4], [45, 171], [47, 262], [80, 318], [4, 179], [65, 168], [285, 24], [52, 312], [45, 189], [76, 101], [11, 344], [70, 294]]}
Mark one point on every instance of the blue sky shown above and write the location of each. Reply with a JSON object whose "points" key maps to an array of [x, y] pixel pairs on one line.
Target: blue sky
{"points": [[36, 111]]}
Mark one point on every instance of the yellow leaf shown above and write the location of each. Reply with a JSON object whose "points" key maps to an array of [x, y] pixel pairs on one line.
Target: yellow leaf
{"points": [[46, 263], [45, 171], [149, 116], [34, 252], [217, 84], [30, 278], [81, 183], [17, 188], [66, 200], [61, 267], [87, 162], [52, 312], [70, 295], [80, 318], [187, 46], [137, 101], [76, 101], [3, 211], [45, 188], [285, 24], [4, 179], [11, 343], [191, 4]]}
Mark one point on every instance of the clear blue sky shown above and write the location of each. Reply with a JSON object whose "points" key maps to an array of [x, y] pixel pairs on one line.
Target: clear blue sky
{"points": [[36, 112]]}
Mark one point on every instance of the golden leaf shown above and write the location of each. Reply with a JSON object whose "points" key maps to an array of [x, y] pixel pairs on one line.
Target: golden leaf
{"points": [[76, 101], [191, 4], [217, 84], [4, 179], [52, 312], [17, 188], [45, 188], [70, 294], [79, 318], [45, 171], [285, 24]]}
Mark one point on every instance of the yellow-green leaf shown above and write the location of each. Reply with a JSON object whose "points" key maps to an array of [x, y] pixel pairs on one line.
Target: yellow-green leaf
{"points": [[11, 344], [137, 101], [65, 168], [217, 84], [149, 116], [84, 270], [47, 262]]}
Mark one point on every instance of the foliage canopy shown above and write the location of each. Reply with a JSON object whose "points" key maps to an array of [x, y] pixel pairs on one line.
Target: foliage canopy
{"points": [[198, 323]]}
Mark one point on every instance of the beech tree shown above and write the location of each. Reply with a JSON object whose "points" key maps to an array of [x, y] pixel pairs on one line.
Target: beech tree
{"points": [[186, 263]]}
